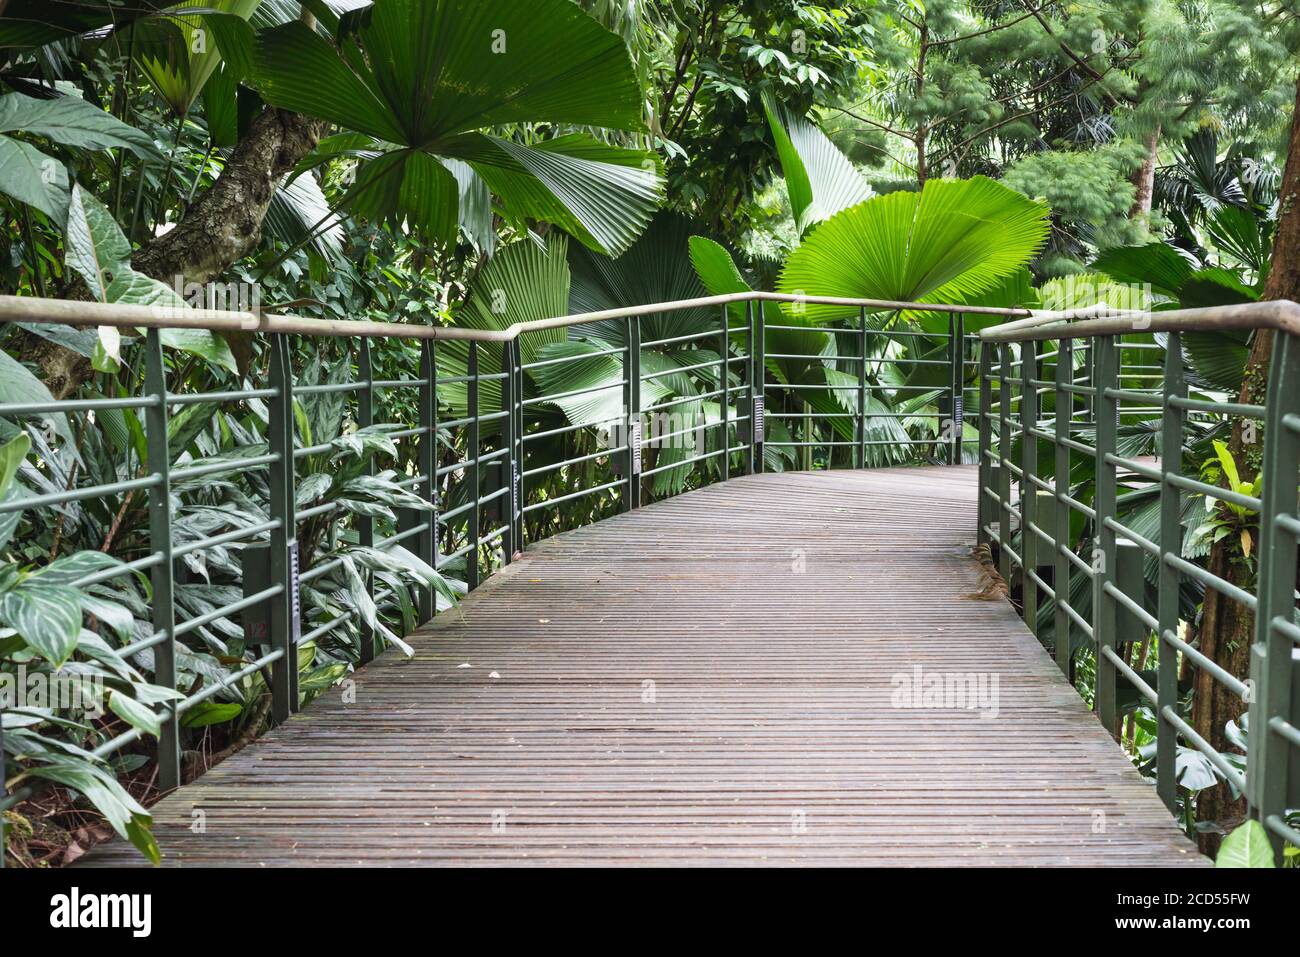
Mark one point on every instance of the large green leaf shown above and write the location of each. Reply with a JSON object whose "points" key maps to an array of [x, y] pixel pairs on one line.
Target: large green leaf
{"points": [[72, 122], [418, 71], [47, 617], [950, 242], [1246, 846], [656, 268], [18, 385], [600, 194], [31, 177], [100, 254], [427, 75], [179, 53], [819, 179], [523, 281], [1160, 265]]}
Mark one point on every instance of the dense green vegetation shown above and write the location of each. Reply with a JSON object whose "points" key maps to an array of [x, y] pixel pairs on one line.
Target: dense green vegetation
{"points": [[485, 162]]}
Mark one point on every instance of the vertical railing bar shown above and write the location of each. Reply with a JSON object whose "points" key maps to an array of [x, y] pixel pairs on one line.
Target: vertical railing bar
{"points": [[364, 524], [1062, 572], [633, 406], [283, 538], [758, 403], [983, 509], [511, 466], [1272, 665], [1104, 607], [160, 540], [427, 465], [724, 383], [521, 494], [749, 386], [1004, 462], [862, 388], [1028, 491], [472, 452], [1171, 543], [957, 358]]}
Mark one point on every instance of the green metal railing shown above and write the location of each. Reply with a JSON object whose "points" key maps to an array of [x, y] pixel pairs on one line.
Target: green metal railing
{"points": [[490, 486], [1075, 489]]}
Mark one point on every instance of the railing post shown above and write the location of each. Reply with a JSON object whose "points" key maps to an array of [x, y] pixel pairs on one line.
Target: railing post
{"points": [[632, 403], [957, 365], [1104, 606], [1028, 491], [364, 524], [1171, 542], [1004, 463], [511, 466], [724, 383], [284, 622], [517, 439], [472, 471], [862, 389], [749, 386], [1272, 757], [1062, 572], [163, 575], [758, 401], [427, 465], [984, 511]]}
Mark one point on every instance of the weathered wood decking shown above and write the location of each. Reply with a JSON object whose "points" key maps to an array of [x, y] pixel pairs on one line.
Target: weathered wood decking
{"points": [[708, 680]]}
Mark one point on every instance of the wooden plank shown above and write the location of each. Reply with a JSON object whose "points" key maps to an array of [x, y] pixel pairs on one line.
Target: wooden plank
{"points": [[712, 679]]}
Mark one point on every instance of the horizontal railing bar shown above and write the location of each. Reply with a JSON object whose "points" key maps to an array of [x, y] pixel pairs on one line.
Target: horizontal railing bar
{"points": [[1136, 610], [543, 469], [77, 495], [690, 461], [1207, 664], [1280, 314], [1284, 729], [1283, 830], [76, 405], [1211, 581], [1187, 731], [236, 395], [226, 537], [324, 629], [135, 647], [708, 364], [248, 601], [183, 472], [543, 363], [572, 495], [140, 564], [1127, 671], [1218, 408], [1214, 491]]}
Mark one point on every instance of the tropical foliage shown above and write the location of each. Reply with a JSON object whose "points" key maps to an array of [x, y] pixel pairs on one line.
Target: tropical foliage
{"points": [[480, 163]]}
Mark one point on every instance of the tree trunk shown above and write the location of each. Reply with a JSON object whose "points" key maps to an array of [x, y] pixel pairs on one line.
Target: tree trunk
{"points": [[1227, 628], [223, 226], [1145, 178]]}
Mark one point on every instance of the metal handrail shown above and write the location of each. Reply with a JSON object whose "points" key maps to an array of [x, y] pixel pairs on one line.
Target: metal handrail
{"points": [[1011, 369], [490, 473], [70, 313]]}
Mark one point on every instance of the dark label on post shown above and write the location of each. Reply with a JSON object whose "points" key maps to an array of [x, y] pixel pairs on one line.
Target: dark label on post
{"points": [[295, 605]]}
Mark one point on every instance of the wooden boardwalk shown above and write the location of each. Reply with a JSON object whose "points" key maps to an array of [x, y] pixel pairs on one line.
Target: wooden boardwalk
{"points": [[714, 679]]}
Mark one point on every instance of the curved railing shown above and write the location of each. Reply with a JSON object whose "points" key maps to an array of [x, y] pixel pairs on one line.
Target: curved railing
{"points": [[1137, 523], [485, 475]]}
